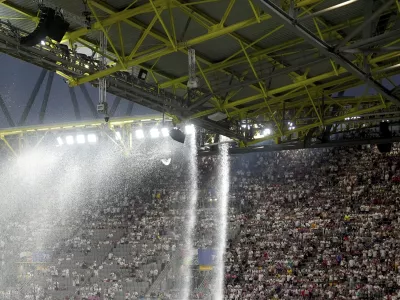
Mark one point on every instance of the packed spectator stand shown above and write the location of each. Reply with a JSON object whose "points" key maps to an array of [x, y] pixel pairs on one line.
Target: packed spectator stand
{"points": [[304, 224]]}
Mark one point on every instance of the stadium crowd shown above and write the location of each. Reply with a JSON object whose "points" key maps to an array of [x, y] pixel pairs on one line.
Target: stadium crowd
{"points": [[306, 224]]}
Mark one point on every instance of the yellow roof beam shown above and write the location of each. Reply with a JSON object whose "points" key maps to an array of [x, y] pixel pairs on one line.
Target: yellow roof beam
{"points": [[168, 50]]}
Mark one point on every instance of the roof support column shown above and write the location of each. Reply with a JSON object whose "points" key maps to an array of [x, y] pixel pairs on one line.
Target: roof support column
{"points": [[6, 112], [328, 50], [75, 103], [32, 98], [46, 97]]}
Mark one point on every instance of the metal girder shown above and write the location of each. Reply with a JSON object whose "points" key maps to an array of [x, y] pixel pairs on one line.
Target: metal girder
{"points": [[366, 22], [155, 52], [323, 11], [32, 98], [4, 132], [227, 63], [305, 82], [129, 109], [115, 105], [6, 112], [328, 50], [47, 91], [75, 103], [89, 101]]}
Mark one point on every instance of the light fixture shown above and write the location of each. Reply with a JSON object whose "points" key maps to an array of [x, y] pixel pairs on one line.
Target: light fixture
{"points": [[139, 134], [118, 136], [164, 132], [154, 133], [189, 129], [60, 141], [80, 139], [70, 140], [92, 138], [43, 43], [267, 131]]}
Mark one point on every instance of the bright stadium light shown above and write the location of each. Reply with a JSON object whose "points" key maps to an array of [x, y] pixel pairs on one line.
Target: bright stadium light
{"points": [[118, 136], [154, 133], [189, 129], [139, 134], [70, 140], [92, 138], [80, 139], [165, 132], [60, 141]]}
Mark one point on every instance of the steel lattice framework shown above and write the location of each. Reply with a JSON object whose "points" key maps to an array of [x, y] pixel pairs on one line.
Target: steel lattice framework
{"points": [[283, 64]]}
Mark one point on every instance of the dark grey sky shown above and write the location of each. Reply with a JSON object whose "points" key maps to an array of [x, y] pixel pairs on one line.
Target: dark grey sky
{"points": [[17, 80]]}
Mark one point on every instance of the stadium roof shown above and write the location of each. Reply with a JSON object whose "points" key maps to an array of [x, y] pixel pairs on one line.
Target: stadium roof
{"points": [[282, 64]]}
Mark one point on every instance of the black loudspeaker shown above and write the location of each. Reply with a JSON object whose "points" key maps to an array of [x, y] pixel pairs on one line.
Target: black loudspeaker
{"points": [[177, 135], [384, 133], [58, 29], [142, 74], [51, 24], [46, 17], [384, 130], [384, 148]]}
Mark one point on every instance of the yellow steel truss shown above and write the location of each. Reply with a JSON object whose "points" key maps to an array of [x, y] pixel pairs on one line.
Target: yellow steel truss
{"points": [[299, 95]]}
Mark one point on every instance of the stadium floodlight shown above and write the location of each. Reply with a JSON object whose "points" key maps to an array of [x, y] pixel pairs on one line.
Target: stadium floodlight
{"points": [[189, 129], [60, 141], [154, 133], [165, 132], [118, 136], [139, 134], [267, 132], [70, 140], [80, 139], [92, 138]]}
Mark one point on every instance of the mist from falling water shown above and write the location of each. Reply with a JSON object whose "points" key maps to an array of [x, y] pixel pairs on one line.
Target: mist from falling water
{"points": [[190, 218], [223, 199]]}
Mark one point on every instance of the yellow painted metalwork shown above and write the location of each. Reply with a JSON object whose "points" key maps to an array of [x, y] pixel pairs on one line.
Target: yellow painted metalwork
{"points": [[262, 89], [321, 36], [173, 44], [315, 91], [227, 12], [255, 11], [142, 37], [33, 18], [307, 2], [121, 40], [300, 94], [110, 42], [305, 82], [317, 124], [172, 22], [9, 146], [315, 108], [167, 50], [204, 77], [78, 124], [260, 54]]}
